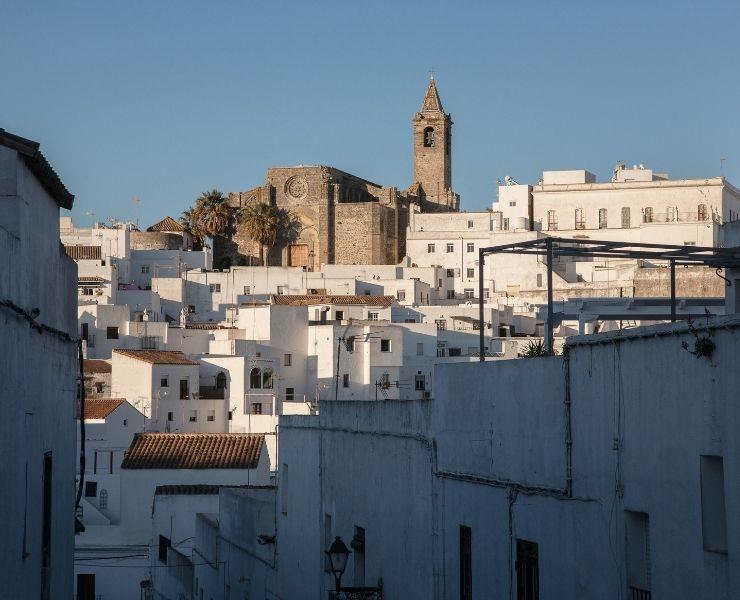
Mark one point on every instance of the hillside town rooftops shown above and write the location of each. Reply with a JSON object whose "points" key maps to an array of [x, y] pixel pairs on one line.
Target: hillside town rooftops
{"points": [[39, 166], [194, 451], [157, 357], [99, 408], [342, 300], [167, 224]]}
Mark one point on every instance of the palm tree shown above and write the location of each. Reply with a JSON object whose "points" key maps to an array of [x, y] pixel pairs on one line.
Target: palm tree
{"points": [[262, 223], [210, 216]]}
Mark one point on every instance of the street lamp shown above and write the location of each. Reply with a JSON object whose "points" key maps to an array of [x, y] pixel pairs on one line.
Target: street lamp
{"points": [[338, 554]]}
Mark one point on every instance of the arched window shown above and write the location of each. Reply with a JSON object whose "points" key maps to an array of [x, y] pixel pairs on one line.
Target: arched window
{"points": [[221, 381], [701, 212], [255, 379], [552, 220], [103, 499], [626, 224], [580, 221], [602, 218], [267, 379], [648, 214], [429, 137]]}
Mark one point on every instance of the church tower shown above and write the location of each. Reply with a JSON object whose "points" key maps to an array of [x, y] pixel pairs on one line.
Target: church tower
{"points": [[433, 154]]}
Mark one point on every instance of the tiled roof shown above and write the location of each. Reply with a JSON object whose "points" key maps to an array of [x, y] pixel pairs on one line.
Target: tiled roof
{"points": [[157, 357], [39, 166], [90, 278], [194, 451], [99, 408], [207, 326], [310, 300], [167, 224], [95, 365], [83, 252], [194, 489]]}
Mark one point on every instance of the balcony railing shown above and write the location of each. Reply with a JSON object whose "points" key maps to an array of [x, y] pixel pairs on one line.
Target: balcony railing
{"points": [[677, 217], [211, 392], [638, 594]]}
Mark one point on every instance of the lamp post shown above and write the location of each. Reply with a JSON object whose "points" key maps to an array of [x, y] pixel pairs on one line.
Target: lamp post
{"points": [[338, 554]]}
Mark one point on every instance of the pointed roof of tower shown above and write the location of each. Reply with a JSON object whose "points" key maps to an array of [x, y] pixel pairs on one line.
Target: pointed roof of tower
{"points": [[432, 103]]}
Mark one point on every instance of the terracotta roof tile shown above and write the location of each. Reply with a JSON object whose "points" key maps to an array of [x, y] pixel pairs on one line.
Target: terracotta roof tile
{"points": [[90, 279], [81, 252], [346, 300], [157, 357], [95, 365], [167, 224], [194, 451], [193, 489], [99, 408]]}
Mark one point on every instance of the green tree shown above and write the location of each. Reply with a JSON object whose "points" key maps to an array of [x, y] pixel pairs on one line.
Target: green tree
{"points": [[266, 224], [210, 216]]}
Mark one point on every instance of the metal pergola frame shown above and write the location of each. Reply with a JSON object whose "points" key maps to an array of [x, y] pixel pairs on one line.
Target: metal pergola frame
{"points": [[553, 247]]}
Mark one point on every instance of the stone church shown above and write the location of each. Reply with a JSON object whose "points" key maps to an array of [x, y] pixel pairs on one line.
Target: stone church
{"points": [[345, 219]]}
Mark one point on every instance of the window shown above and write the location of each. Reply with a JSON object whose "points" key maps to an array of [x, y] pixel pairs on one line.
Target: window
{"points": [[267, 379], [470, 273], [256, 408], [439, 282], [470, 247], [231, 415], [486, 294], [450, 247], [193, 416], [506, 224], [103, 499], [701, 212], [287, 360], [637, 550], [358, 559], [349, 343], [419, 383], [527, 571], [647, 214], [512, 203], [284, 489], [689, 243], [85, 586], [441, 324], [713, 514], [670, 213], [211, 416], [372, 316], [401, 295], [144, 269], [170, 416], [88, 291], [84, 331], [430, 248], [290, 394], [339, 315], [580, 221], [221, 381], [345, 380], [552, 220], [466, 564], [184, 389], [454, 352], [469, 293], [450, 272], [191, 309], [441, 349], [280, 290], [602, 218], [111, 333], [255, 379], [164, 382], [429, 140], [98, 387], [385, 345], [539, 279], [247, 290], [125, 422], [368, 293], [419, 349], [164, 543], [91, 489], [626, 221]]}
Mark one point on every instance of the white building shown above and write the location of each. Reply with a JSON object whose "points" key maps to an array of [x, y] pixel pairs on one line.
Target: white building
{"points": [[611, 472], [38, 354]]}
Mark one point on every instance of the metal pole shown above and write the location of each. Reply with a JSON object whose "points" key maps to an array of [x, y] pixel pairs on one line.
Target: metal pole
{"points": [[550, 320], [481, 325], [673, 291]]}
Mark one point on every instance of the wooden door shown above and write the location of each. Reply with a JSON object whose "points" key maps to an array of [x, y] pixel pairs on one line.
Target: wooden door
{"points": [[298, 255]]}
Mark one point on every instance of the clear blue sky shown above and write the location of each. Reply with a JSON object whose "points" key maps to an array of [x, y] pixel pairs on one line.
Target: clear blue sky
{"points": [[162, 100]]}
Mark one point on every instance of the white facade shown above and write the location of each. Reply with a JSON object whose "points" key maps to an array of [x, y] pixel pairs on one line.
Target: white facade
{"points": [[38, 368], [647, 500]]}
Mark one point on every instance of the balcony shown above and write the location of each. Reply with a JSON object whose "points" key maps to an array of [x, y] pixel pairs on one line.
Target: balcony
{"points": [[212, 392]]}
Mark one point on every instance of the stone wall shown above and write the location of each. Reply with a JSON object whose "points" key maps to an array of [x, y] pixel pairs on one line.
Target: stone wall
{"points": [[156, 240], [691, 282]]}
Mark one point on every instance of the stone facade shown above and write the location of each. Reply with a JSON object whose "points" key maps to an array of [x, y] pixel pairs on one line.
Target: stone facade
{"points": [[345, 219]]}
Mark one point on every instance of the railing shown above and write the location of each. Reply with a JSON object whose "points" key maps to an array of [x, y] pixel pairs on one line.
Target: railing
{"points": [[677, 217], [211, 392], [357, 593], [638, 594]]}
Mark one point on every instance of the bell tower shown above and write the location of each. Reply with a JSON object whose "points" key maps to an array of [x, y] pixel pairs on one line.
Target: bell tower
{"points": [[433, 154]]}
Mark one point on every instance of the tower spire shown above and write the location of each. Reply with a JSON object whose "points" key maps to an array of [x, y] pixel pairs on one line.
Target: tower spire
{"points": [[432, 103]]}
